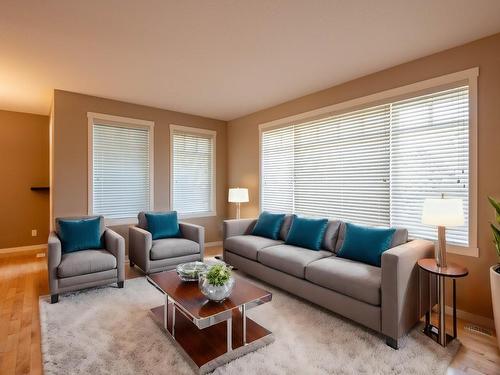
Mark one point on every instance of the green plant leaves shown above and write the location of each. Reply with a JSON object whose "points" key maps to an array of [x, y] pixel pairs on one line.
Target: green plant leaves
{"points": [[496, 205], [218, 274], [496, 231]]}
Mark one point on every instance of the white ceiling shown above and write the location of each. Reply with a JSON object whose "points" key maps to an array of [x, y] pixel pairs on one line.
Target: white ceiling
{"points": [[221, 59]]}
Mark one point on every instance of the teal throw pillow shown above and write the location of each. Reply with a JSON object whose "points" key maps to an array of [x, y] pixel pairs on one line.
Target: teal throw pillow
{"points": [[79, 234], [366, 244], [163, 224], [307, 232], [268, 225]]}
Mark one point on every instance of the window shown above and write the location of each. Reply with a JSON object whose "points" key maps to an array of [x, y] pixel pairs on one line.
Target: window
{"points": [[120, 167], [192, 171], [373, 166]]}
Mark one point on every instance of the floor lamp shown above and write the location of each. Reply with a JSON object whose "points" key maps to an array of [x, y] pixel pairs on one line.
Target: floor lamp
{"points": [[238, 196]]}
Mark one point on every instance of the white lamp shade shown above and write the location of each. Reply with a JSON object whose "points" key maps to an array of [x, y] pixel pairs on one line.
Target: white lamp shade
{"points": [[444, 212], [238, 195]]}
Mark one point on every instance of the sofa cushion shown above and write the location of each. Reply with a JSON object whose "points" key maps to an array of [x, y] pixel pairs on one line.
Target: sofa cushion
{"points": [[248, 246], [268, 225], [173, 247], [290, 259], [354, 279], [307, 232], [366, 244], [400, 237], [84, 262]]}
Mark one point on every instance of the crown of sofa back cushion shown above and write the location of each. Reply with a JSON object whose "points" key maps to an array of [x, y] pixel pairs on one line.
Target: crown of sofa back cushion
{"points": [[285, 227], [400, 237], [102, 227]]}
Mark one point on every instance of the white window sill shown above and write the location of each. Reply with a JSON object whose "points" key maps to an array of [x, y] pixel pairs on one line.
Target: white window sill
{"points": [[191, 215], [463, 250]]}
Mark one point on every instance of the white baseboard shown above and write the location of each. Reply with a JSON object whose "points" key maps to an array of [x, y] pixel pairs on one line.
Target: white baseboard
{"points": [[213, 244], [472, 318], [20, 249]]}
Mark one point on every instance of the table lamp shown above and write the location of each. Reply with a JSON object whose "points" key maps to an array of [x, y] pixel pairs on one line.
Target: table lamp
{"points": [[238, 196], [444, 212]]}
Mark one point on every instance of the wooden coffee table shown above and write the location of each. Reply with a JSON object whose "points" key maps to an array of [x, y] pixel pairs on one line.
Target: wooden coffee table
{"points": [[210, 334]]}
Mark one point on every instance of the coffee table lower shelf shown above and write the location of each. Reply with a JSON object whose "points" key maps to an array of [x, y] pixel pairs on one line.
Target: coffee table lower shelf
{"points": [[206, 349]]}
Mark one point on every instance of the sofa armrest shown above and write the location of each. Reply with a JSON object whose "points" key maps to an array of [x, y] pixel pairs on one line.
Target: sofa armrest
{"points": [[140, 242], [115, 244], [400, 286], [54, 254], [194, 233], [238, 227]]}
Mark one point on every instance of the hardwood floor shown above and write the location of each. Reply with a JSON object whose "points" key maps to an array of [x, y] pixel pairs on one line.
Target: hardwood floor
{"points": [[23, 278]]}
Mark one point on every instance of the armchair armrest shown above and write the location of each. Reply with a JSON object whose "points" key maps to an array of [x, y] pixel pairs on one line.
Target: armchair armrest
{"points": [[194, 233], [54, 254], [400, 288], [139, 247], [115, 244], [238, 227]]}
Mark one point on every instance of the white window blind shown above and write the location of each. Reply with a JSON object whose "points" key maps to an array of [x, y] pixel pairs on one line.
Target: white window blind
{"points": [[430, 156], [372, 166], [121, 170], [192, 173]]}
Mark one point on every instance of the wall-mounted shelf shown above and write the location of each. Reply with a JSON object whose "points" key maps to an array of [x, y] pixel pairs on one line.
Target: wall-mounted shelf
{"points": [[39, 188]]}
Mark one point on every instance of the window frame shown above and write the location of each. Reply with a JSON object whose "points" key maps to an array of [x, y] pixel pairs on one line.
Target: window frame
{"points": [[213, 199], [125, 122], [468, 76]]}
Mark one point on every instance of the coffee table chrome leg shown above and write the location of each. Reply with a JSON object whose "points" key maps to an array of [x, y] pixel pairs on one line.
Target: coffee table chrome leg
{"points": [[173, 320], [229, 334], [244, 320], [165, 313]]}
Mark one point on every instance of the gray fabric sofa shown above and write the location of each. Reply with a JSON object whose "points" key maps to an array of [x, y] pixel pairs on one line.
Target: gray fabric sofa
{"points": [[164, 254], [85, 268], [385, 299]]}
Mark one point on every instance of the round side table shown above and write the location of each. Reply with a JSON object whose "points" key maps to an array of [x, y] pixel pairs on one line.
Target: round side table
{"points": [[452, 271]]}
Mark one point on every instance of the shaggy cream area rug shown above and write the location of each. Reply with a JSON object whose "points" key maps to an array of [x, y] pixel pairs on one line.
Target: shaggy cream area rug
{"points": [[110, 331]]}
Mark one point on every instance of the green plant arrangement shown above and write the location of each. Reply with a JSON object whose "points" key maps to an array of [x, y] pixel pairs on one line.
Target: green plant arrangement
{"points": [[218, 274], [495, 228]]}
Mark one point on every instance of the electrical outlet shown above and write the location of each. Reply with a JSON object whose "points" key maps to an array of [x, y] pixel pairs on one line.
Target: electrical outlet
{"points": [[34, 233]]}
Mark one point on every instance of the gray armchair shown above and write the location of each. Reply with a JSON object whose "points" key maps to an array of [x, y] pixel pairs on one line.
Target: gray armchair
{"points": [[164, 254], [85, 268]]}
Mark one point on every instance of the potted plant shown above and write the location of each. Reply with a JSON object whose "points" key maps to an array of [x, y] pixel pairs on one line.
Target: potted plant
{"points": [[217, 283], [495, 270]]}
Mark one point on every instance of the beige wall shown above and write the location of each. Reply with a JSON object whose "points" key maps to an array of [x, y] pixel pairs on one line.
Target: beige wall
{"points": [[24, 162], [243, 137], [70, 150]]}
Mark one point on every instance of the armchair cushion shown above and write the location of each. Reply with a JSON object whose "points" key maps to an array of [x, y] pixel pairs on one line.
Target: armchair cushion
{"points": [[80, 234], [163, 224], [84, 262], [172, 248]]}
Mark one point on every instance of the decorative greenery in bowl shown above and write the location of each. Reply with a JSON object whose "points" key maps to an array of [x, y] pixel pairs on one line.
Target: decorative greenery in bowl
{"points": [[217, 283], [218, 274]]}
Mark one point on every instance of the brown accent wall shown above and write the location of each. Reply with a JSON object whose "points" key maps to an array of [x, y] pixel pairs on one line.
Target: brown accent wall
{"points": [[243, 140], [24, 162], [70, 154]]}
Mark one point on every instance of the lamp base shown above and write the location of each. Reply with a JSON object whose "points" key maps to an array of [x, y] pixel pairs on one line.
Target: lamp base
{"points": [[440, 251]]}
